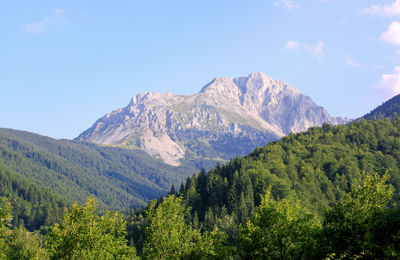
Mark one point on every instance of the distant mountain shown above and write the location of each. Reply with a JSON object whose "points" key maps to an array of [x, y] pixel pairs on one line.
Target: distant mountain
{"points": [[228, 117], [389, 109], [118, 178]]}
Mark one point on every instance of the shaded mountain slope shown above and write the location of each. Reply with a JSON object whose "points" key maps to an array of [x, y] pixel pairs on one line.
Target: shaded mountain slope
{"points": [[33, 206], [118, 178]]}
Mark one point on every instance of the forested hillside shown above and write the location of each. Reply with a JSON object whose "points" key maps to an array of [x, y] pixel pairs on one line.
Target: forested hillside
{"points": [[328, 193], [389, 109], [33, 207], [316, 168], [118, 178]]}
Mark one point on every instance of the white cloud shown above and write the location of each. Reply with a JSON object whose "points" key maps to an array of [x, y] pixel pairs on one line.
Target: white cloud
{"points": [[389, 85], [392, 34], [57, 19], [288, 4], [352, 63], [291, 45], [388, 10], [316, 50]]}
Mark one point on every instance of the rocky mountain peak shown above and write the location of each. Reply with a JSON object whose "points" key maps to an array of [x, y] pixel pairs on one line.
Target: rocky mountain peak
{"points": [[228, 117]]}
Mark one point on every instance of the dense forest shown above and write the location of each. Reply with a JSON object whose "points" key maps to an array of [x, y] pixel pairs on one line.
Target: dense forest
{"points": [[331, 192], [363, 224], [316, 168], [313, 170], [118, 178], [33, 207]]}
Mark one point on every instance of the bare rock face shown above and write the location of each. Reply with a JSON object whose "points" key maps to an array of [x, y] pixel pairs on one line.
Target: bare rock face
{"points": [[228, 117]]}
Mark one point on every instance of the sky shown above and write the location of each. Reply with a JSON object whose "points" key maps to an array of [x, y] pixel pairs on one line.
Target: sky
{"points": [[64, 64]]}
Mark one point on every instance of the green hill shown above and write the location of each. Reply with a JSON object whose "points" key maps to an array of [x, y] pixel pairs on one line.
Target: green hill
{"points": [[316, 167], [118, 178], [389, 109]]}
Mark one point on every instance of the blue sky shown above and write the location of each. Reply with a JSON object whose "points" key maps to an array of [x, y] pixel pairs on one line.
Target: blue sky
{"points": [[64, 64]]}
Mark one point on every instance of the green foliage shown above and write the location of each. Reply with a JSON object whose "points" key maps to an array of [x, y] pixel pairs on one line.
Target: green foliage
{"points": [[5, 219], [317, 168], [118, 178], [278, 230], [169, 236], [33, 206], [350, 228], [136, 226], [22, 244], [17, 243], [83, 235]]}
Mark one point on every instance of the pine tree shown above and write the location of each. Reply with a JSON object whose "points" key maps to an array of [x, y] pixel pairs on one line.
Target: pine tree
{"points": [[209, 221]]}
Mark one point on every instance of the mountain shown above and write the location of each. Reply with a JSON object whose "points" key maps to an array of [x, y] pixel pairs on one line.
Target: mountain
{"points": [[389, 109], [118, 178], [228, 117]]}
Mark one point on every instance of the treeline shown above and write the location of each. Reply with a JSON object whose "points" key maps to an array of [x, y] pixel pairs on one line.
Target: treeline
{"points": [[363, 224]]}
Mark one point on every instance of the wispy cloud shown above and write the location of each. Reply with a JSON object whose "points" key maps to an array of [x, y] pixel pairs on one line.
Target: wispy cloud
{"points": [[386, 10], [57, 19], [291, 45], [389, 85], [378, 67], [352, 63], [288, 4], [392, 34], [317, 50]]}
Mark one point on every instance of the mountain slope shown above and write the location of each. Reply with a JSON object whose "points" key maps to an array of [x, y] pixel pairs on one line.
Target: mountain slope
{"points": [[316, 168], [228, 117], [32, 206], [389, 109], [118, 178]]}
